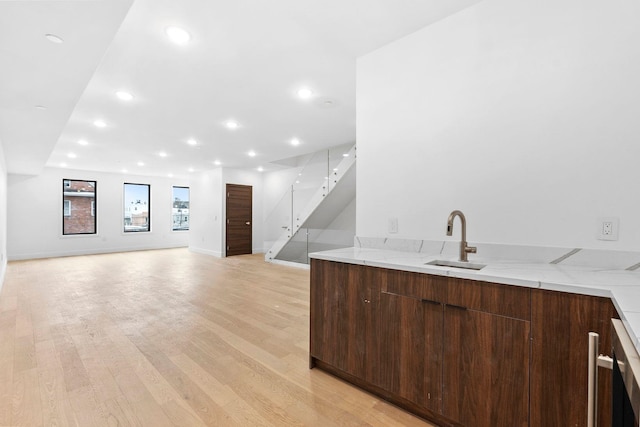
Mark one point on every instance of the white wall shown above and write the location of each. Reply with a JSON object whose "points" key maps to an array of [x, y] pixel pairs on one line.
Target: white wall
{"points": [[207, 229], [35, 215], [206, 210], [524, 115], [3, 216]]}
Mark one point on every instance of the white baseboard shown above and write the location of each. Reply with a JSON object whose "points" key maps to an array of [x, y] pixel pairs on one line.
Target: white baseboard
{"points": [[59, 254], [290, 264], [216, 254]]}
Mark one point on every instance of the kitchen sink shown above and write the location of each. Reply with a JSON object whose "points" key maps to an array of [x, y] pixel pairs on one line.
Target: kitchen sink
{"points": [[456, 264]]}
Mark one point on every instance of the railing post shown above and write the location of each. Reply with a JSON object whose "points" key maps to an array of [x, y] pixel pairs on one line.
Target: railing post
{"points": [[328, 170], [291, 219]]}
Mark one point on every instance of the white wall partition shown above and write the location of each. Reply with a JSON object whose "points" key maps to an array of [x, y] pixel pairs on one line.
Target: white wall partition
{"points": [[205, 234], [35, 215], [524, 115]]}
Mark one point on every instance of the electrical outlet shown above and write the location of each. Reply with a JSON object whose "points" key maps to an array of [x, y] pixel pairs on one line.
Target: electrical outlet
{"points": [[393, 225], [608, 228]]}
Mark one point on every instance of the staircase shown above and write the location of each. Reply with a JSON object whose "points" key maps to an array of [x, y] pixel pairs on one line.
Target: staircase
{"points": [[309, 231]]}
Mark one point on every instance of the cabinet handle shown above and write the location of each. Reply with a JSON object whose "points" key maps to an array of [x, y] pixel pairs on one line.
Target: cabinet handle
{"points": [[595, 361], [457, 307], [429, 301]]}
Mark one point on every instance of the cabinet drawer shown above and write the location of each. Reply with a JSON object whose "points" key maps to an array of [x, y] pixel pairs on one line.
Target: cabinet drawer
{"points": [[415, 285], [503, 300]]}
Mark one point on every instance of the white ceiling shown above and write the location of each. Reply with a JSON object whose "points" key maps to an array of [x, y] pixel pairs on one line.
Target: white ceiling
{"points": [[245, 61]]}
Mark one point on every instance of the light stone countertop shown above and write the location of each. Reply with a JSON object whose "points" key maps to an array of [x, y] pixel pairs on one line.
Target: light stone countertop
{"points": [[622, 286]]}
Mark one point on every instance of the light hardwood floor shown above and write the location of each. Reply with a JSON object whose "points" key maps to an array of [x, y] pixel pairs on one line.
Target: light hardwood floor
{"points": [[167, 338]]}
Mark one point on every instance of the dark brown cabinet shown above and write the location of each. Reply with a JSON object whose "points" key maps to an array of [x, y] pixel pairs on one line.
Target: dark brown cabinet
{"points": [[459, 352], [412, 362], [487, 353], [344, 325], [486, 369], [561, 324]]}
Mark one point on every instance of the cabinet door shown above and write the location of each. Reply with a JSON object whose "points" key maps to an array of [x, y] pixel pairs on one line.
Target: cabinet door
{"points": [[343, 312], [411, 356], [486, 369], [363, 304], [560, 353]]}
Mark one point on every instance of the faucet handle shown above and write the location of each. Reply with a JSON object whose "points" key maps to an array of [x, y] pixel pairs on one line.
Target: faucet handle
{"points": [[470, 249]]}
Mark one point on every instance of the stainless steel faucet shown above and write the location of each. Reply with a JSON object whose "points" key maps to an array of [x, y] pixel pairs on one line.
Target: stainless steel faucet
{"points": [[464, 249]]}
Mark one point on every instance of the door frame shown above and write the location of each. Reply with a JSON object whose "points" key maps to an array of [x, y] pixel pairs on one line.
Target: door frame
{"points": [[224, 222]]}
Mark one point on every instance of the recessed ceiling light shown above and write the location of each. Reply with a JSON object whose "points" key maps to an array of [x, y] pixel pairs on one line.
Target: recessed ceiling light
{"points": [[191, 170], [305, 93], [232, 124], [295, 142], [140, 163], [260, 169], [63, 165], [99, 123], [178, 35], [217, 162], [71, 155], [124, 96], [335, 169], [170, 175], [54, 39], [192, 142], [82, 142], [251, 153], [124, 171], [297, 182], [40, 107], [345, 155], [162, 154]]}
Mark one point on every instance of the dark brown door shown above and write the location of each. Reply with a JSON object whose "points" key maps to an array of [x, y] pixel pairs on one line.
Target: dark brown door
{"points": [[239, 211]]}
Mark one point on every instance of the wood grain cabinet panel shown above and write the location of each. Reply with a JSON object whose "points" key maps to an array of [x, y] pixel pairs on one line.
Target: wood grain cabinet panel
{"points": [[561, 324], [504, 300], [486, 369], [344, 311], [411, 315], [411, 359], [458, 351], [416, 285]]}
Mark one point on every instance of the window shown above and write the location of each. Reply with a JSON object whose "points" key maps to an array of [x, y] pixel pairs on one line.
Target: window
{"points": [[78, 207], [137, 207], [180, 208]]}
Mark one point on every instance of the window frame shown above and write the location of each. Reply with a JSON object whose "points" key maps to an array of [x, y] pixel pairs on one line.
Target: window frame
{"points": [[67, 214], [124, 204], [173, 187]]}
